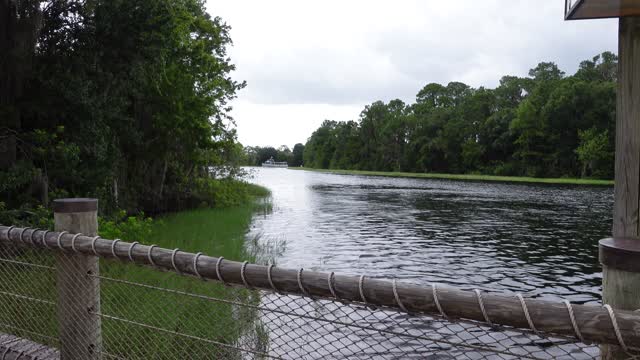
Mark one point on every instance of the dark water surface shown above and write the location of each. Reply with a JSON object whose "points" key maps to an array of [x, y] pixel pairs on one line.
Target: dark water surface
{"points": [[540, 240]]}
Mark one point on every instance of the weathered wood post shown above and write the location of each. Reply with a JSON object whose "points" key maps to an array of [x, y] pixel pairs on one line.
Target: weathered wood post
{"points": [[620, 256], [78, 289]]}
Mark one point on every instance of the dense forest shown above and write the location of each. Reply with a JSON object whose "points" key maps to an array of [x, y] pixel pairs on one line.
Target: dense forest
{"points": [[543, 125], [125, 101]]}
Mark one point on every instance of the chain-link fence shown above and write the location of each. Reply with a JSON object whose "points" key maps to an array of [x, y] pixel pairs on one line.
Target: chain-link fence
{"points": [[145, 313]]}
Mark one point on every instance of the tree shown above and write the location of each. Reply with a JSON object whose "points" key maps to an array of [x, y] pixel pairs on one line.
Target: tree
{"points": [[546, 71], [602, 67], [433, 95], [266, 153], [21, 23], [298, 152], [595, 153]]}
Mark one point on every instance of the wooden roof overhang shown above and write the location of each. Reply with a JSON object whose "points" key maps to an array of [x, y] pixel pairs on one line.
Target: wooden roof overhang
{"points": [[599, 9]]}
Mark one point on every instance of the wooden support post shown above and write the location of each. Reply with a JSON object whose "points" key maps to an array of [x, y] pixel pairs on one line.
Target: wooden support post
{"points": [[78, 292], [621, 285]]}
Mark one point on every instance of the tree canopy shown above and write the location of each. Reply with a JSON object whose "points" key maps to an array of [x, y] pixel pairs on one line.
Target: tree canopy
{"points": [[126, 101], [544, 125]]}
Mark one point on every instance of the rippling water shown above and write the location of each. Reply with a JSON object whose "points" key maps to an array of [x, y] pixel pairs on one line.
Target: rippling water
{"points": [[540, 240]]}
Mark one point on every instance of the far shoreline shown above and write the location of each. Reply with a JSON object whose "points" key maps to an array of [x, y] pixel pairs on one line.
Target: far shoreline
{"points": [[466, 177]]}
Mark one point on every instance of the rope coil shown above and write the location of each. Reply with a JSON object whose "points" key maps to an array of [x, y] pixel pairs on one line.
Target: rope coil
{"points": [[299, 276], [361, 290], [10, 341], [242, 273], [113, 248], [572, 317], [31, 240], [218, 273], [44, 239], [481, 305], [273, 286], [616, 329], [394, 287], [330, 279], [9, 232], [526, 313], [149, 257], [22, 233], [93, 245], [130, 251], [173, 260], [73, 242], [434, 288], [58, 240], [195, 266]]}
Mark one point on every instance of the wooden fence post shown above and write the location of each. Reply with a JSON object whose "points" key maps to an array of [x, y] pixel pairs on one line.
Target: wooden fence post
{"points": [[621, 283], [78, 288]]}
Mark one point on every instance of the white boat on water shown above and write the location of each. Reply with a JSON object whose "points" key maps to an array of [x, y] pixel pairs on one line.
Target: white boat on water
{"points": [[274, 164]]}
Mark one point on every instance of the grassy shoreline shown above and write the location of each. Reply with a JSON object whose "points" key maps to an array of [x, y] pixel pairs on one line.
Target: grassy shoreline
{"points": [[157, 300], [218, 231], [466, 177]]}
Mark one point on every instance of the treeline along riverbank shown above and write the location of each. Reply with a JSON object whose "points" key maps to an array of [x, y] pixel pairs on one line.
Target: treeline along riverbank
{"points": [[466, 177], [544, 125]]}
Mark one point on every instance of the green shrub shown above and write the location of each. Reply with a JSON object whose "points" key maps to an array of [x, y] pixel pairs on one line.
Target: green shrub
{"points": [[121, 226], [502, 169], [223, 193], [36, 217]]}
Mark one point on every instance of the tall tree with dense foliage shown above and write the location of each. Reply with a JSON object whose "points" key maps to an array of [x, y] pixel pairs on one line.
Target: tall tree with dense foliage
{"points": [[297, 153], [125, 101], [546, 124]]}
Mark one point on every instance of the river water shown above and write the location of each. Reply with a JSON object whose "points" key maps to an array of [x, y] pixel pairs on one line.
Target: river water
{"points": [[539, 240]]}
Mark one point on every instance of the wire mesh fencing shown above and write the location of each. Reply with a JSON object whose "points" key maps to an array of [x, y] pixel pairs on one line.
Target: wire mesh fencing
{"points": [[146, 313], [27, 295]]}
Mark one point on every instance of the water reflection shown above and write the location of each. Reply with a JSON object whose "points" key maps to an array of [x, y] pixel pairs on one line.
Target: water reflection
{"points": [[540, 240]]}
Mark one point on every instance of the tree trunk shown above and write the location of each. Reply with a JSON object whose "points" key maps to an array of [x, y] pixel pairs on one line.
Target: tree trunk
{"points": [[44, 196], [162, 179], [20, 23], [115, 191]]}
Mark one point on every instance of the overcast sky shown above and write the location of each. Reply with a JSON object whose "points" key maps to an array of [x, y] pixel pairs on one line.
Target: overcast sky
{"points": [[306, 61]]}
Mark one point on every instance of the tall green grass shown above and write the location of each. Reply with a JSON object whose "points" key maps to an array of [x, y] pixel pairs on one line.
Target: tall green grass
{"points": [[210, 231], [215, 232]]}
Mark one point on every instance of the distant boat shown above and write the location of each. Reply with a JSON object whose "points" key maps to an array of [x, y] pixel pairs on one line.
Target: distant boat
{"points": [[274, 164]]}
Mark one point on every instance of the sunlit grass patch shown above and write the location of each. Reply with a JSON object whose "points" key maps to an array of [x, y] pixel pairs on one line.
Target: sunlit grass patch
{"points": [[467, 177]]}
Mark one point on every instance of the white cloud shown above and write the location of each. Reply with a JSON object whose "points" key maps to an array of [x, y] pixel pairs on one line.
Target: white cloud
{"points": [[285, 124], [308, 61]]}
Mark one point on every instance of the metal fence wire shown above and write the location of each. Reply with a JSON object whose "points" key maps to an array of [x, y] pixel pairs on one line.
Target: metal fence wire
{"points": [[145, 313]]}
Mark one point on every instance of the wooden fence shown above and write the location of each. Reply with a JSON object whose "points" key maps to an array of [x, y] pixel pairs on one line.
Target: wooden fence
{"points": [[79, 254]]}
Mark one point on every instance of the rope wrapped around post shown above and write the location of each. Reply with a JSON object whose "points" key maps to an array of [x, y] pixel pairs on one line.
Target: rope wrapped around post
{"points": [[590, 323]]}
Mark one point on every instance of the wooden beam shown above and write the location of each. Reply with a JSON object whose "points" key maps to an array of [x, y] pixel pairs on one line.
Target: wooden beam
{"points": [[599, 9], [78, 298], [627, 166], [621, 285]]}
